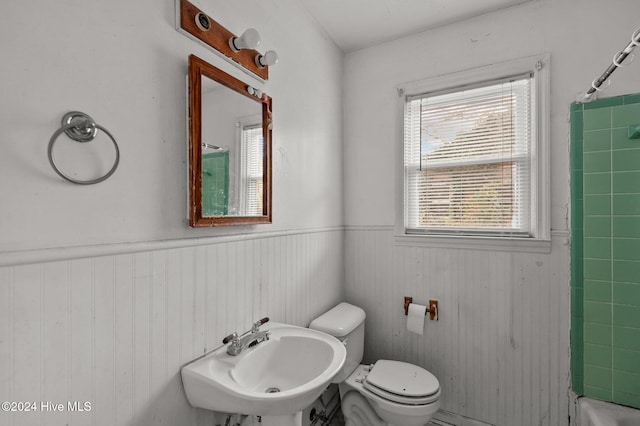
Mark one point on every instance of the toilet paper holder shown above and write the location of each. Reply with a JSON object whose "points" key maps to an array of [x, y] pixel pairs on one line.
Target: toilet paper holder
{"points": [[432, 310]]}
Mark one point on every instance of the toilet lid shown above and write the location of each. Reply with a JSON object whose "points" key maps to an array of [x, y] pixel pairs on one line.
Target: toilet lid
{"points": [[402, 382]]}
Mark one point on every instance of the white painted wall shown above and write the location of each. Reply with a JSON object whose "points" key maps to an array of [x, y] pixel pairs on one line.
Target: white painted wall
{"points": [[124, 64], [501, 347], [581, 37], [114, 330], [104, 290]]}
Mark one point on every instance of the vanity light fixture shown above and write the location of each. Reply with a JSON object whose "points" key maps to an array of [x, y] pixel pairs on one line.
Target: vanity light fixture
{"points": [[268, 59], [238, 51], [250, 39]]}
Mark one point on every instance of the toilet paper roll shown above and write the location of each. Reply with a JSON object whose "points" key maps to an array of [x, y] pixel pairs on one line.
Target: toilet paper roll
{"points": [[415, 318]]}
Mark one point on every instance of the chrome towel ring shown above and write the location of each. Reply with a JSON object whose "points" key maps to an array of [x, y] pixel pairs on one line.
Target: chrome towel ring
{"points": [[81, 128]]}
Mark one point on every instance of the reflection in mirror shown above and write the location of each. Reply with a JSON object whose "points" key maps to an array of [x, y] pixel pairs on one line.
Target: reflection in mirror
{"points": [[230, 149], [232, 152]]}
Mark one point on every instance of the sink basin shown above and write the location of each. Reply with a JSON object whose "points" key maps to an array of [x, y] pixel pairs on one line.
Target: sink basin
{"points": [[277, 377]]}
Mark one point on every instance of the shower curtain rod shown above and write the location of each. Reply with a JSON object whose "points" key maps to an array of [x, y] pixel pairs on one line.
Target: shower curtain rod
{"points": [[618, 58]]}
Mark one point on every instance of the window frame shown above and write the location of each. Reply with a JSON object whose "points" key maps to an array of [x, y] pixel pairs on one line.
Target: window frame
{"points": [[539, 241], [247, 180]]}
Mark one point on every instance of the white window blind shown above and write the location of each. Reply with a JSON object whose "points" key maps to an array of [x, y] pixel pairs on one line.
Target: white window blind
{"points": [[252, 162], [467, 160]]}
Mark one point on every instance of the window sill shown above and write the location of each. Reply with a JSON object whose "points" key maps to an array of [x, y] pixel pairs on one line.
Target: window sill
{"points": [[527, 245]]}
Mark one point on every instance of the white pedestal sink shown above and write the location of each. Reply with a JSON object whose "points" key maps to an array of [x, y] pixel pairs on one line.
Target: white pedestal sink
{"points": [[275, 379]]}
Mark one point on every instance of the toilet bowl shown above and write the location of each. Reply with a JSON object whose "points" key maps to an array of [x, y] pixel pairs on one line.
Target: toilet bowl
{"points": [[388, 408], [386, 393]]}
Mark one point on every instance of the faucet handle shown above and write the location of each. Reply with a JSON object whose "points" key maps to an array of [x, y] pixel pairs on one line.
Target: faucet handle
{"points": [[233, 336], [258, 323]]}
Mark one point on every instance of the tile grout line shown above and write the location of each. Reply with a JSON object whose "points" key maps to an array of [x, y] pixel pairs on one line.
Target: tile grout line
{"points": [[611, 239]]}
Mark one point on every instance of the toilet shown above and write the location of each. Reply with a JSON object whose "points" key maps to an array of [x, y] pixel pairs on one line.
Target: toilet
{"points": [[386, 393]]}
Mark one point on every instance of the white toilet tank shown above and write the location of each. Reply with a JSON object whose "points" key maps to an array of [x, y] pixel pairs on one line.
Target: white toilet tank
{"points": [[346, 323]]}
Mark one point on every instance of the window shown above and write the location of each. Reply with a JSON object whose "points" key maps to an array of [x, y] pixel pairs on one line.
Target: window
{"points": [[252, 173], [471, 159]]}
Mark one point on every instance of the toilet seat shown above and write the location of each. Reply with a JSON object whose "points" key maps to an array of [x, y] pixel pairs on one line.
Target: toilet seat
{"points": [[402, 383]]}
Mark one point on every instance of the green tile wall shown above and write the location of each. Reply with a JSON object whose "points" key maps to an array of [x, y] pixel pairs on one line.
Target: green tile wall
{"points": [[605, 250], [215, 184]]}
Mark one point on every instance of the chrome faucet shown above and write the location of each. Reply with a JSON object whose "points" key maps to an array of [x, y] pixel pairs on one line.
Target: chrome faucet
{"points": [[248, 339]]}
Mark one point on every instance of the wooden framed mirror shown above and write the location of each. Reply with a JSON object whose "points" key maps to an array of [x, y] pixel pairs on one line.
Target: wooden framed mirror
{"points": [[229, 149]]}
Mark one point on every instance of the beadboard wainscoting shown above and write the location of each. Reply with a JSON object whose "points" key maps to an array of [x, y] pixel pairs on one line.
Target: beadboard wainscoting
{"points": [[501, 346], [113, 330]]}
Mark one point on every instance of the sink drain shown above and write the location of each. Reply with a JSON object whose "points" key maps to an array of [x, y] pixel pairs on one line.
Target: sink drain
{"points": [[272, 390]]}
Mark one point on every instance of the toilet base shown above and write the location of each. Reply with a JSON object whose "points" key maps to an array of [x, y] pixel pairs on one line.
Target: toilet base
{"points": [[358, 412]]}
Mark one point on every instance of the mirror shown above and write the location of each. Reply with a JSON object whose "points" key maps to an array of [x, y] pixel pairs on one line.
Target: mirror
{"points": [[229, 149]]}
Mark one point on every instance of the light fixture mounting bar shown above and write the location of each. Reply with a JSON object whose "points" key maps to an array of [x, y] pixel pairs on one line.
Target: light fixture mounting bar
{"points": [[217, 37]]}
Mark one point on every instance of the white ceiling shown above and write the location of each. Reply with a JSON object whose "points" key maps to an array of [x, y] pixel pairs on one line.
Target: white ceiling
{"points": [[355, 24]]}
